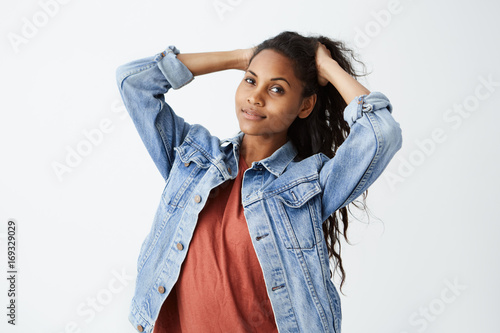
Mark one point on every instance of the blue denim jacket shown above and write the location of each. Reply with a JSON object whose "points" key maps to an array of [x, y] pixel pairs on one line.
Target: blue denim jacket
{"points": [[285, 199]]}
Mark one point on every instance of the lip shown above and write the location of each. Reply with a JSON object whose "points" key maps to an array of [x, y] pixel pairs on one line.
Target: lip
{"points": [[252, 114]]}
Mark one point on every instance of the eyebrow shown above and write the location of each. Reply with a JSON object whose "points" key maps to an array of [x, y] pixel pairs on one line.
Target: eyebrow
{"points": [[273, 79]]}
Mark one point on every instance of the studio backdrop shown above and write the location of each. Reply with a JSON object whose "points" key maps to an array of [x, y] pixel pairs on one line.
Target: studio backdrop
{"points": [[78, 190]]}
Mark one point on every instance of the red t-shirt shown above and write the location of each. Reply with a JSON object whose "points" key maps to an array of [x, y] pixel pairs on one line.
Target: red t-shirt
{"points": [[221, 287]]}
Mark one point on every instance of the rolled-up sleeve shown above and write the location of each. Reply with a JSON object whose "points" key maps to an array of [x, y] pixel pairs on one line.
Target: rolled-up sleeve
{"points": [[142, 84], [374, 139]]}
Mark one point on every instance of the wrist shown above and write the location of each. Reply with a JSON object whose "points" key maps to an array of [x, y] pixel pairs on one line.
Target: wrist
{"points": [[346, 84], [330, 69], [242, 57]]}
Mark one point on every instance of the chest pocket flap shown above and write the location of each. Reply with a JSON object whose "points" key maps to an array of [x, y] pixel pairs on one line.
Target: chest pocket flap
{"points": [[299, 194], [188, 154], [298, 219], [189, 168]]}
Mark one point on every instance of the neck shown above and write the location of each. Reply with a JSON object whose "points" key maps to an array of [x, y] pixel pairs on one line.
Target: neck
{"points": [[257, 147]]}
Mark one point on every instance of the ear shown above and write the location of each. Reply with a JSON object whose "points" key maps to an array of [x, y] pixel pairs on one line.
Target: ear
{"points": [[307, 106]]}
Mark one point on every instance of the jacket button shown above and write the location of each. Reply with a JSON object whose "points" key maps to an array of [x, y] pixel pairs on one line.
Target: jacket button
{"points": [[161, 289], [229, 170], [197, 198], [186, 164], [367, 107], [140, 328], [179, 246]]}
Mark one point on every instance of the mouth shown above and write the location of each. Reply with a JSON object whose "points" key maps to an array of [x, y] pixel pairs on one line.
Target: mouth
{"points": [[252, 114]]}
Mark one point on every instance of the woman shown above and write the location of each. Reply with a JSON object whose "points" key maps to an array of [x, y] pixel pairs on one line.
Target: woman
{"points": [[312, 140]]}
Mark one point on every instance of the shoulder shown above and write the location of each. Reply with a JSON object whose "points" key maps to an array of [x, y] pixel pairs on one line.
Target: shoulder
{"points": [[199, 141], [300, 171], [310, 164]]}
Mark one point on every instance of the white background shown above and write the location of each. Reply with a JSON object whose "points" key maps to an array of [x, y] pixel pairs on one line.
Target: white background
{"points": [[435, 209]]}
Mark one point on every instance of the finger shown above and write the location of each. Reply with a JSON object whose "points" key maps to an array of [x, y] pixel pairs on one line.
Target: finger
{"points": [[323, 50]]}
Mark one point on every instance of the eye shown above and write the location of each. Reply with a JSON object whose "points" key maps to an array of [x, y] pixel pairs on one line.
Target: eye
{"points": [[249, 80], [277, 90]]}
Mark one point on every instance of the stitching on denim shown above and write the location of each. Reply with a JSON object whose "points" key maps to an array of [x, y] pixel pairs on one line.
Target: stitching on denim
{"points": [[138, 312], [305, 198], [137, 70], [166, 141], [189, 141], [288, 227], [312, 290], [290, 185], [325, 273], [371, 166]]}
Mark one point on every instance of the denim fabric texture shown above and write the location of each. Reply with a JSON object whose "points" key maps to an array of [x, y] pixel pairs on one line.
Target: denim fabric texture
{"points": [[285, 199]]}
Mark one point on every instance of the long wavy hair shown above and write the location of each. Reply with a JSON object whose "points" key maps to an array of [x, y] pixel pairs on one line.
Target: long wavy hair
{"points": [[325, 129]]}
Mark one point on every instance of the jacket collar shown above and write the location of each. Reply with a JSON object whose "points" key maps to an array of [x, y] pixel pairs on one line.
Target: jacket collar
{"points": [[276, 163]]}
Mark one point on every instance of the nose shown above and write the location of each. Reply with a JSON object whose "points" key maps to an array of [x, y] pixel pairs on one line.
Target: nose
{"points": [[255, 98]]}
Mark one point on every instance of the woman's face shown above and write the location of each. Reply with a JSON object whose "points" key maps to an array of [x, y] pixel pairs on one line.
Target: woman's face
{"points": [[269, 98]]}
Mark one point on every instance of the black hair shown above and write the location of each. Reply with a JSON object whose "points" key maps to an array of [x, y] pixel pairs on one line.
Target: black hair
{"points": [[325, 129]]}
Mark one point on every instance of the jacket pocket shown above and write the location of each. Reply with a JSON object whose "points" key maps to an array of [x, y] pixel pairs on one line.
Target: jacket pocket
{"points": [[298, 218], [183, 178]]}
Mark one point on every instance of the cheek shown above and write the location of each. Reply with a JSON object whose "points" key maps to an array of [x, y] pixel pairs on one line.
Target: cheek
{"points": [[287, 111], [239, 95]]}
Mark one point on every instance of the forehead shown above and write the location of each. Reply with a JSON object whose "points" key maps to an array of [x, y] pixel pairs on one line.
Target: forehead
{"points": [[269, 63]]}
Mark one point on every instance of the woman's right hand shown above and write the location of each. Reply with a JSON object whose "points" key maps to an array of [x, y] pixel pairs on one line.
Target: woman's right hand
{"points": [[246, 55]]}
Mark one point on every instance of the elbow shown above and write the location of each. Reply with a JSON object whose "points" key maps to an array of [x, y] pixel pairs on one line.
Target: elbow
{"points": [[124, 72], [120, 76], [390, 130], [392, 137]]}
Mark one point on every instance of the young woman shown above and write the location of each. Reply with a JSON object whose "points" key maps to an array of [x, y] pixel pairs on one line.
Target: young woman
{"points": [[245, 228]]}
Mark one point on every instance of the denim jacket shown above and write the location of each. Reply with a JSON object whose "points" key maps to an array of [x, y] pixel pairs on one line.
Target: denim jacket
{"points": [[285, 200]]}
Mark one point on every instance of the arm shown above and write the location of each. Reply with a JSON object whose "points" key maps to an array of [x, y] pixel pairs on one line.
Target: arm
{"points": [[330, 71], [143, 83], [209, 62], [374, 139]]}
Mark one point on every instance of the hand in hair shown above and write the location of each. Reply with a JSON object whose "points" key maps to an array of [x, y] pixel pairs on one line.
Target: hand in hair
{"points": [[247, 55], [329, 70], [322, 56]]}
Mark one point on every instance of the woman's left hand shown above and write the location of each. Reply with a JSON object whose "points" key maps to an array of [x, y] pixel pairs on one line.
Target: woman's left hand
{"points": [[323, 55]]}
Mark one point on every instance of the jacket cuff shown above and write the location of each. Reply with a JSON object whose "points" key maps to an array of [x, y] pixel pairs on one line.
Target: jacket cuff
{"points": [[176, 73], [365, 103]]}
